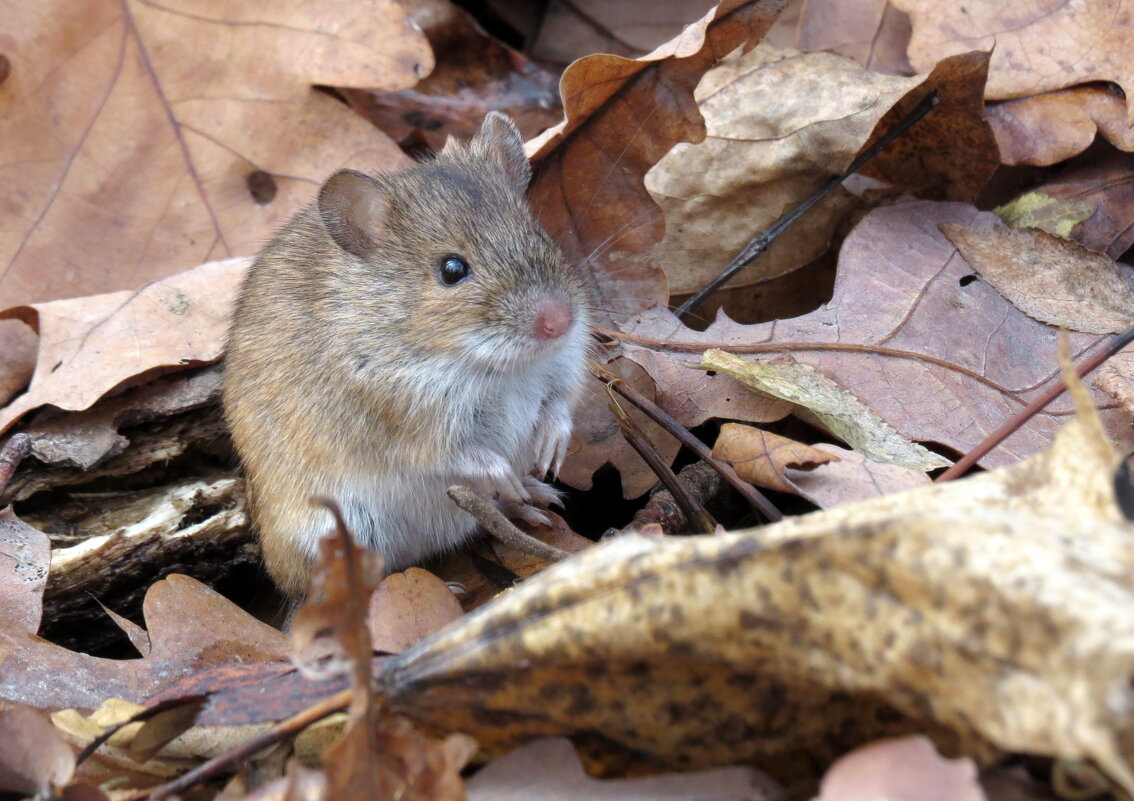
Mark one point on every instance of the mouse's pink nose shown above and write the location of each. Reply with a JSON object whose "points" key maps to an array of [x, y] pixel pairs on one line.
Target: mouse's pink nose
{"points": [[552, 319]]}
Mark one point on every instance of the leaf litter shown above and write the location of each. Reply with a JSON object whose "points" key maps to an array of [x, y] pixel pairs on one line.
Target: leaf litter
{"points": [[987, 613]]}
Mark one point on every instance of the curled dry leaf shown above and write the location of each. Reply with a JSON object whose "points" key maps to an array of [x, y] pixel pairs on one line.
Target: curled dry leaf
{"points": [[779, 124], [906, 769], [34, 759], [939, 355], [89, 346], [1108, 182], [1036, 48], [834, 407], [1052, 127], [760, 457], [1047, 277], [991, 613]]}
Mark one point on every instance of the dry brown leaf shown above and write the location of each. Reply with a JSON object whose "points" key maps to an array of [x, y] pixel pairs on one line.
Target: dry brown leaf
{"points": [[872, 32], [779, 125], [408, 607], [145, 138], [25, 554], [1049, 128], [550, 770], [760, 457], [1037, 47], [1055, 215], [621, 117], [936, 352], [474, 73], [951, 153], [907, 769], [34, 759], [190, 626], [89, 346], [1108, 183], [852, 477], [1052, 279], [991, 613]]}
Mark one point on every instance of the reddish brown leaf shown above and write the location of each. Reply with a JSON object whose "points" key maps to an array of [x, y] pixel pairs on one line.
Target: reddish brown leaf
{"points": [[952, 152], [190, 626], [852, 478], [872, 32], [1108, 183], [1049, 128]]}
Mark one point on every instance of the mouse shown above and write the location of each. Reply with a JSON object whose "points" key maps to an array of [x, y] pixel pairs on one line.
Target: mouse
{"points": [[405, 332]]}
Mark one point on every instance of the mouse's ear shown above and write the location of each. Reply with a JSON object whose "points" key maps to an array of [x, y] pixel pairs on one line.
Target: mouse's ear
{"points": [[499, 139], [353, 208]]}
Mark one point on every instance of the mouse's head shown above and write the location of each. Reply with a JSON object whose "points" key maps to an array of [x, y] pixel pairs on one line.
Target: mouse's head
{"points": [[448, 252]]}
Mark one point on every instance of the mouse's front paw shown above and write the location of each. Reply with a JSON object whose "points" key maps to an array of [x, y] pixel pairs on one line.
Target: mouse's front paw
{"points": [[541, 495], [492, 474], [552, 435]]}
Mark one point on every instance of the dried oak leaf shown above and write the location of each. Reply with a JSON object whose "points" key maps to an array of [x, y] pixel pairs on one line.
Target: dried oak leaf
{"points": [[408, 607], [779, 125], [990, 613], [622, 116], [760, 457], [1047, 277], [909, 331], [190, 626], [90, 346], [1037, 46], [189, 129], [550, 770], [1052, 127]]}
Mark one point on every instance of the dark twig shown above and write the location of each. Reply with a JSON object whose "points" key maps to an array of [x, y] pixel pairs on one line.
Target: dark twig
{"points": [[499, 526], [762, 242], [219, 764], [1013, 423], [694, 512], [664, 419]]}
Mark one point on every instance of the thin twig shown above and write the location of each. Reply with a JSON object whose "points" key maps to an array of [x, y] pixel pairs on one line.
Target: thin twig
{"points": [[762, 242], [755, 498], [15, 449], [499, 526], [218, 764], [694, 512], [1013, 423]]}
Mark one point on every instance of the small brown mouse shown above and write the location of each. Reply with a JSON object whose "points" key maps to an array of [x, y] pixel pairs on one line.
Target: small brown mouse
{"points": [[406, 332]]}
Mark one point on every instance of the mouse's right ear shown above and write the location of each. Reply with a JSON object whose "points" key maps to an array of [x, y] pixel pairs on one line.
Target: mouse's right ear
{"points": [[353, 208]]}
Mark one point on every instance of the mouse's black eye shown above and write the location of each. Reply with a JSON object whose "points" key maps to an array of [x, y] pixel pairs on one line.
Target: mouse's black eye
{"points": [[453, 270]]}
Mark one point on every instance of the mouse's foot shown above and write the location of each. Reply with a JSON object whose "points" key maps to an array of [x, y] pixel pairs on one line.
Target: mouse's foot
{"points": [[492, 474], [531, 515], [541, 494], [552, 435]]}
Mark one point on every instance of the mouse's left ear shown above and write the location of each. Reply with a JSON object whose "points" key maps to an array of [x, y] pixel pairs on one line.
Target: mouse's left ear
{"points": [[499, 140]]}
